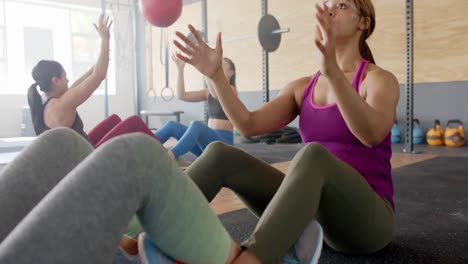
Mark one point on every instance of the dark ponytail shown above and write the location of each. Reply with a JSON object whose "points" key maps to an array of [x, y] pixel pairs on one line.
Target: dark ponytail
{"points": [[365, 51], [232, 80], [366, 10], [35, 106], [42, 74]]}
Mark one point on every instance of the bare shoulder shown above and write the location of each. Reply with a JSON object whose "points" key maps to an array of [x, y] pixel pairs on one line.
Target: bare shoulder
{"points": [[378, 75], [380, 83], [54, 105], [56, 113], [296, 89], [300, 82], [296, 86]]}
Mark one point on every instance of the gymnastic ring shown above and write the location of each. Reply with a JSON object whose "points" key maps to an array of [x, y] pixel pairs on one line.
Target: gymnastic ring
{"points": [[151, 95], [167, 98]]}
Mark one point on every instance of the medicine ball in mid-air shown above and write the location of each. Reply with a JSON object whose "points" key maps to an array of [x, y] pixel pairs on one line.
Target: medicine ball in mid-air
{"points": [[161, 13]]}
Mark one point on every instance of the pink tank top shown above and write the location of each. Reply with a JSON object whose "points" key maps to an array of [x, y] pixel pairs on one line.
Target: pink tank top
{"points": [[325, 125]]}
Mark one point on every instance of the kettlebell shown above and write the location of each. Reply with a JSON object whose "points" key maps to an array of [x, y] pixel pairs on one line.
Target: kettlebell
{"points": [[418, 133], [396, 134], [435, 135], [454, 136]]}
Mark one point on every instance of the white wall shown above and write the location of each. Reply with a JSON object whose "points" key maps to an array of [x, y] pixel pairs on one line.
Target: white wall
{"points": [[122, 103]]}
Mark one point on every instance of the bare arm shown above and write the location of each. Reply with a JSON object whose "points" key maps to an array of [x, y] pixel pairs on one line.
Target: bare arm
{"points": [[234, 89], [208, 61], [80, 93], [82, 78], [269, 117], [370, 120], [195, 96]]}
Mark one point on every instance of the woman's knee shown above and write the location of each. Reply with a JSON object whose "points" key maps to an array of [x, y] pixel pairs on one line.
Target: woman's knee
{"points": [[312, 152], [138, 147], [138, 142], [173, 124], [307, 160], [114, 117], [63, 136], [65, 140], [217, 150], [134, 119], [197, 124]]}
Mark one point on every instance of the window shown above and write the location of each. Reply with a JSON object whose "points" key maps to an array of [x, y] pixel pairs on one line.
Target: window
{"points": [[37, 39], [86, 46], [46, 30]]}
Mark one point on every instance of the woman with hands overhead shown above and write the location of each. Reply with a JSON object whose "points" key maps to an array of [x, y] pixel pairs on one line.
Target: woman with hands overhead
{"points": [[198, 135], [341, 180], [57, 107]]}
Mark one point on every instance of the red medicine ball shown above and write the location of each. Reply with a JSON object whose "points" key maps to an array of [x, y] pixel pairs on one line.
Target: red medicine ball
{"points": [[161, 13]]}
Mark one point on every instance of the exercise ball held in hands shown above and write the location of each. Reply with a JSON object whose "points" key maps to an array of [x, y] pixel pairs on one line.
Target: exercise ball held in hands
{"points": [[161, 13]]}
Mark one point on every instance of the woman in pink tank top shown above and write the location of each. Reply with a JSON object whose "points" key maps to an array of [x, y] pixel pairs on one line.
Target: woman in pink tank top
{"points": [[339, 186]]}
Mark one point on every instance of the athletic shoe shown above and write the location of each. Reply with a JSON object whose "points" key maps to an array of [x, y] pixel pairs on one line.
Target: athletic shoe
{"points": [[151, 254], [307, 248]]}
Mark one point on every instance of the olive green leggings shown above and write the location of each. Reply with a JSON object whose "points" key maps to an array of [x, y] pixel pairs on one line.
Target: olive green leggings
{"points": [[354, 218]]}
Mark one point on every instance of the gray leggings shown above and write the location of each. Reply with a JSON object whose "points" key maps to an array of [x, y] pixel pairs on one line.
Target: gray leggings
{"points": [[317, 186], [62, 202]]}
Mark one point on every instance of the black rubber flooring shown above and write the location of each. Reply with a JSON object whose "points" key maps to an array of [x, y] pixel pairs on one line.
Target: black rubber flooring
{"points": [[431, 199]]}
